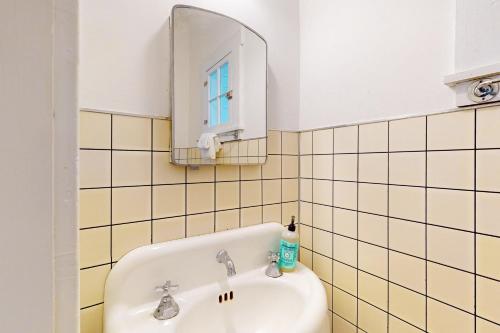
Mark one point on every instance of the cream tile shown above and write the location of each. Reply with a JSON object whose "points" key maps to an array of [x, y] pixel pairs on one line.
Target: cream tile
{"points": [[374, 137], [95, 130], [251, 193], [373, 198], [407, 305], [407, 168], [290, 166], [451, 169], [290, 143], [227, 172], [451, 286], [200, 198], [322, 242], [373, 259], [92, 282], [344, 222], [161, 134], [227, 195], [329, 294], [322, 166], [444, 318], [131, 168], [131, 132], [345, 277], [131, 204], [488, 213], [165, 172], [488, 294], [200, 224], [345, 250], [262, 149], [94, 246], [451, 247], [243, 148], [450, 208], [168, 200], [271, 213], [323, 141], [203, 174], [453, 130], [373, 290], [345, 167], [227, 219], [251, 172], [345, 195], [487, 166], [95, 207], [373, 168], [305, 232], [488, 256], [399, 326], [306, 166], [95, 168], [305, 257], [306, 190], [407, 134], [322, 217], [169, 229], [488, 122], [305, 143], [407, 237], [407, 203], [251, 216], [274, 142], [345, 305], [290, 190], [91, 319], [372, 229], [346, 139], [341, 325], [484, 326], [252, 148], [322, 266], [272, 168], [322, 191], [271, 191], [407, 271], [127, 237], [371, 319], [305, 213], [289, 209]]}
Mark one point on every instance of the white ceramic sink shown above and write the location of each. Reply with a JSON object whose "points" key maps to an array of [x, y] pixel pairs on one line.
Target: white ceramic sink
{"points": [[294, 302]]}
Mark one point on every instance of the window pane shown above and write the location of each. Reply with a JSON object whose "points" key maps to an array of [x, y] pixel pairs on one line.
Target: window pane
{"points": [[213, 84], [214, 119], [224, 109], [224, 78]]}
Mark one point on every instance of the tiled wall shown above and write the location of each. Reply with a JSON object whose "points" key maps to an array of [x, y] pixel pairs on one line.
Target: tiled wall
{"points": [[401, 221], [130, 195]]}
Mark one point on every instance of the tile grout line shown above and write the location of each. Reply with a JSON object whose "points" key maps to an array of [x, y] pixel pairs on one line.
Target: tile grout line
{"points": [[475, 220], [357, 227], [387, 221], [426, 227]]}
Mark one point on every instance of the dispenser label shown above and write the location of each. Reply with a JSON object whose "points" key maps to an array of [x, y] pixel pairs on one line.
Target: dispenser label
{"points": [[288, 254]]}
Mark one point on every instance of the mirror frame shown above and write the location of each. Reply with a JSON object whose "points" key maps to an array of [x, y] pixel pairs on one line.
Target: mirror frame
{"points": [[172, 78]]}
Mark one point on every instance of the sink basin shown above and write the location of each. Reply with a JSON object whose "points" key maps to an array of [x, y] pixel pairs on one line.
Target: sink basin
{"points": [[209, 301]]}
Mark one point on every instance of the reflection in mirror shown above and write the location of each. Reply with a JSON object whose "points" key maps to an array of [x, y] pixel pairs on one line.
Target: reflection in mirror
{"points": [[219, 87]]}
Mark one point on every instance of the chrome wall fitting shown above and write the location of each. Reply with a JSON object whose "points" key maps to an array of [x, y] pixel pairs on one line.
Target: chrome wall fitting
{"points": [[483, 90]]}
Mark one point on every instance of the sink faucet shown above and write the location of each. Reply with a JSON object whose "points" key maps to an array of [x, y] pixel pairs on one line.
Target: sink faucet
{"points": [[167, 308], [224, 258]]}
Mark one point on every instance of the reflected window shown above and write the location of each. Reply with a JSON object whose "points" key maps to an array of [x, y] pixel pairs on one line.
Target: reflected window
{"points": [[219, 95]]}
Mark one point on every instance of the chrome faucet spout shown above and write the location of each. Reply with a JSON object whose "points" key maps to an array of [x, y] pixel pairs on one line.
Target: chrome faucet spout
{"points": [[224, 258]]}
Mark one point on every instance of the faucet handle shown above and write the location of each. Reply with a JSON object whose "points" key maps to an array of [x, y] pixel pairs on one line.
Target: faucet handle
{"points": [[273, 256], [168, 288]]}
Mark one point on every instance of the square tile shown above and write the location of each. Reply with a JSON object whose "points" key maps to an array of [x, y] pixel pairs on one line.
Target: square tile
{"points": [[488, 294], [164, 172], [323, 141], [227, 172], [407, 168], [451, 169], [322, 166], [200, 198], [289, 166], [169, 200], [169, 229], [290, 143], [345, 222], [161, 134], [131, 132], [95, 246], [202, 174], [92, 282], [408, 305], [322, 242], [345, 277], [488, 256], [95, 207], [399, 326], [373, 168], [271, 191], [373, 198], [345, 195], [454, 130], [373, 290], [346, 139], [322, 191], [272, 168], [487, 166], [95, 168], [305, 233], [407, 203], [289, 190], [91, 319], [289, 209], [131, 204], [305, 213], [322, 266], [373, 259], [306, 190], [339, 324], [227, 220], [407, 271], [329, 294], [488, 213], [373, 229], [374, 137], [484, 326], [95, 130], [131, 168], [451, 247], [305, 143], [345, 167], [322, 217], [305, 257], [271, 213], [251, 172], [345, 305], [306, 166], [127, 237], [371, 319], [407, 134], [488, 122], [345, 250], [200, 224], [251, 194], [251, 216], [407, 237], [227, 195], [444, 318], [274, 142], [451, 208]]}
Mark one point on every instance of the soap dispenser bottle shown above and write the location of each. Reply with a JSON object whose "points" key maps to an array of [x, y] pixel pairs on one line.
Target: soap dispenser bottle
{"points": [[289, 248]]}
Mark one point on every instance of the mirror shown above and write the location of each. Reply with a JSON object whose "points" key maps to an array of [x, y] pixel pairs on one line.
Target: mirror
{"points": [[218, 89]]}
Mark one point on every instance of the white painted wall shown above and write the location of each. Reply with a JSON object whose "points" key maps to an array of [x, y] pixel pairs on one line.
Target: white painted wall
{"points": [[374, 59], [124, 56], [477, 34]]}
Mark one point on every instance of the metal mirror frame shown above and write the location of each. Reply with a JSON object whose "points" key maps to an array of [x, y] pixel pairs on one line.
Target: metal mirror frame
{"points": [[172, 78]]}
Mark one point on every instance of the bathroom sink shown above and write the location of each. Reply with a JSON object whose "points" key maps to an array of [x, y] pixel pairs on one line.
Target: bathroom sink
{"points": [[210, 301]]}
